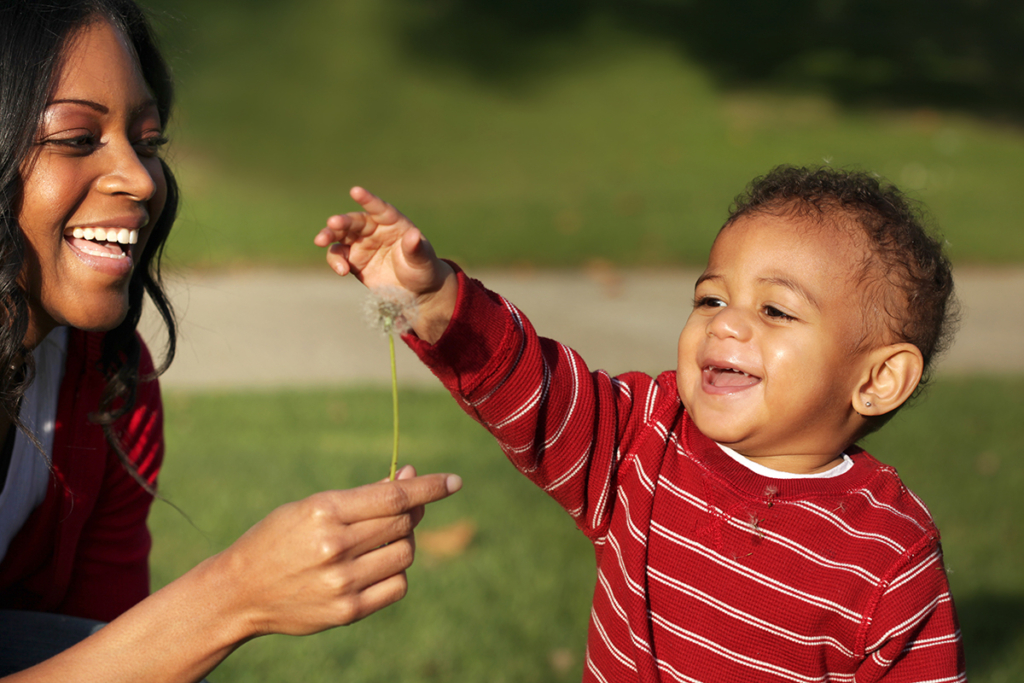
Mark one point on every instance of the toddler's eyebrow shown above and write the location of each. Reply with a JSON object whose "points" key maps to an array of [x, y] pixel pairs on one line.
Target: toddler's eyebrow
{"points": [[774, 280], [705, 276], [793, 286]]}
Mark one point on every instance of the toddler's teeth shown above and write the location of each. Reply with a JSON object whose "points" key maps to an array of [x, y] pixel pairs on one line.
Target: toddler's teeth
{"points": [[123, 236], [78, 233]]}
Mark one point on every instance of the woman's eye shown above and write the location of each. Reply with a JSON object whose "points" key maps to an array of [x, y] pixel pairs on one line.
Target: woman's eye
{"points": [[150, 146], [81, 144]]}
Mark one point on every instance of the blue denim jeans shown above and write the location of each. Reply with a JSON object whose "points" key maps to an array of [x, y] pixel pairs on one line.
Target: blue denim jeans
{"points": [[28, 638]]}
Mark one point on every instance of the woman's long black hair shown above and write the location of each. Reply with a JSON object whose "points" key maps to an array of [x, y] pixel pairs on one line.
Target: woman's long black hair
{"points": [[34, 39]]}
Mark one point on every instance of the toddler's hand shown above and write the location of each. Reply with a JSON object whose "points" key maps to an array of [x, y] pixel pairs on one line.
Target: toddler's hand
{"points": [[382, 248]]}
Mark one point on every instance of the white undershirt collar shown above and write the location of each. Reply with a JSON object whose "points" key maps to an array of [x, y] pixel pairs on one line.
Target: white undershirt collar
{"points": [[841, 468]]}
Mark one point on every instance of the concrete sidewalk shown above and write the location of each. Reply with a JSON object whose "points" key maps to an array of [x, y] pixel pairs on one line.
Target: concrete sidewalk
{"points": [[305, 328]]}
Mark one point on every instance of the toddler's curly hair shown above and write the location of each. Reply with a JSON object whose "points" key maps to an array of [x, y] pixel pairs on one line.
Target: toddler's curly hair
{"points": [[907, 278]]}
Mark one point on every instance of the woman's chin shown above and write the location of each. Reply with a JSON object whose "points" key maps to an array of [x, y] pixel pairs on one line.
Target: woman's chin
{"points": [[102, 321], [101, 317]]}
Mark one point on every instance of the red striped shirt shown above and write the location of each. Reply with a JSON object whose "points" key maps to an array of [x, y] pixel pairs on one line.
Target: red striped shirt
{"points": [[707, 571]]}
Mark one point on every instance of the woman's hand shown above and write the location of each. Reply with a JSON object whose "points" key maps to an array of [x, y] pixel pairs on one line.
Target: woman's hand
{"points": [[332, 558], [328, 560]]}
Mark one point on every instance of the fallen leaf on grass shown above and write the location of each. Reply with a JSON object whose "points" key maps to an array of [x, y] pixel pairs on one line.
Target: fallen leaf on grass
{"points": [[447, 541], [561, 659]]}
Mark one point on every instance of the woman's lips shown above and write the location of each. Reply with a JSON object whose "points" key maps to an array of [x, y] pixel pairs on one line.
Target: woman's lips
{"points": [[103, 242], [102, 249]]}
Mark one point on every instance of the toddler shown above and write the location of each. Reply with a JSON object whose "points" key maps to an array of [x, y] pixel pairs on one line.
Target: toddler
{"points": [[740, 533]]}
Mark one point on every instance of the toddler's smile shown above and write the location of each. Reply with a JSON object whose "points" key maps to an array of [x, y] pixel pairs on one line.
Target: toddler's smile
{"points": [[727, 379], [767, 358]]}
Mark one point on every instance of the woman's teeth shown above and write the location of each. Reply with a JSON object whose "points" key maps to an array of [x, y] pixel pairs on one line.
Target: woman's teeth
{"points": [[121, 236]]}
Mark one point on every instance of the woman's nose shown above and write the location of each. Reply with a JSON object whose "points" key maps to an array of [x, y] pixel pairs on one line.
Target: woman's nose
{"points": [[126, 173], [729, 322]]}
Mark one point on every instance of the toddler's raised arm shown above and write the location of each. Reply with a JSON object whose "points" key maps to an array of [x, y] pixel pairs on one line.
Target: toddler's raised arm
{"points": [[382, 248]]}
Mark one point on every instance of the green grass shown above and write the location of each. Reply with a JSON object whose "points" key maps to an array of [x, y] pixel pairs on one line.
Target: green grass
{"points": [[518, 598], [616, 147], [960, 450]]}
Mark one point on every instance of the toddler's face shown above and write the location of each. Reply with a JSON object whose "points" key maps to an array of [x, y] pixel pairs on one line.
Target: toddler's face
{"points": [[768, 360]]}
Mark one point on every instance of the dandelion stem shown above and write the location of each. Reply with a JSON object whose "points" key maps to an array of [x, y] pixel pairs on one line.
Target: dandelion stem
{"points": [[394, 404], [390, 310]]}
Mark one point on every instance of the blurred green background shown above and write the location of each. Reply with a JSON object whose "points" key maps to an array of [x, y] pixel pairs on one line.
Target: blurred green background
{"points": [[557, 132], [560, 133]]}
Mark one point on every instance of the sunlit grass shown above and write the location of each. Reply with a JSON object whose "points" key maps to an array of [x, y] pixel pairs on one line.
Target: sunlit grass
{"points": [[513, 606]]}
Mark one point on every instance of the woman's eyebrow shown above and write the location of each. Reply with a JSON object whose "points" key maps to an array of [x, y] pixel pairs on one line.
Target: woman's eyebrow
{"points": [[103, 109]]}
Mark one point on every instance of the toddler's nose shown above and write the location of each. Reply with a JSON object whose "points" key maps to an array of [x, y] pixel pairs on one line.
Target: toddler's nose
{"points": [[729, 322]]}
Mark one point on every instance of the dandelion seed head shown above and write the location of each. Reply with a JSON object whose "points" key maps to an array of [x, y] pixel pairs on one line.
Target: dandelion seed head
{"points": [[390, 310]]}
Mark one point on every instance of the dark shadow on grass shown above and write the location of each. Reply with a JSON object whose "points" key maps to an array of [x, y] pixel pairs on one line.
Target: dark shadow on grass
{"points": [[991, 625], [958, 54]]}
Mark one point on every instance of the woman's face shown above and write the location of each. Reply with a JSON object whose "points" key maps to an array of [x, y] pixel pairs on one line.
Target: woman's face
{"points": [[92, 188]]}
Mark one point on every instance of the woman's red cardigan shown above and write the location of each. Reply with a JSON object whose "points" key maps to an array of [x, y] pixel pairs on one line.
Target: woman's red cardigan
{"points": [[85, 550]]}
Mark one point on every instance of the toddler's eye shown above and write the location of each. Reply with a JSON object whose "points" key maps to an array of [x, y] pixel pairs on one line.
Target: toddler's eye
{"points": [[776, 314], [708, 302]]}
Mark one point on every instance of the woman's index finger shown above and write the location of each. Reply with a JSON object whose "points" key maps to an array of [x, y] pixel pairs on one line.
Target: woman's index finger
{"points": [[386, 499]]}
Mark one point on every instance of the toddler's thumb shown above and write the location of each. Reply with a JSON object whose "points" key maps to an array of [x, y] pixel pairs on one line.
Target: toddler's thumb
{"points": [[417, 248]]}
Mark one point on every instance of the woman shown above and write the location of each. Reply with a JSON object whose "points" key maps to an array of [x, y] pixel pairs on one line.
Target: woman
{"points": [[86, 204]]}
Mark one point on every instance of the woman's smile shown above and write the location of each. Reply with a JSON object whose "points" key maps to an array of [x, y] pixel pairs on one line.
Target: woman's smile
{"points": [[106, 247], [93, 187]]}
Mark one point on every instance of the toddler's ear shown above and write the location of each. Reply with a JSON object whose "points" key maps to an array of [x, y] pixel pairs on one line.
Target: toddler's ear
{"points": [[893, 372]]}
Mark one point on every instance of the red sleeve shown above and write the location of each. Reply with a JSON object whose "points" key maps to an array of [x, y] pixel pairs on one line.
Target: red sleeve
{"points": [[560, 424], [913, 634], [111, 566]]}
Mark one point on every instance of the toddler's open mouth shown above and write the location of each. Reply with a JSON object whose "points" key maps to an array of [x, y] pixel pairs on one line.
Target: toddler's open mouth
{"points": [[719, 378]]}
